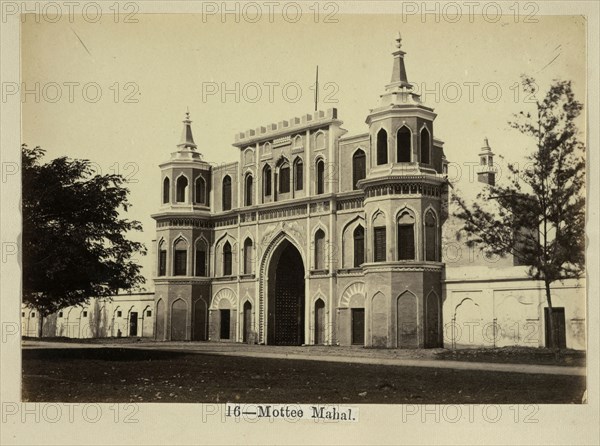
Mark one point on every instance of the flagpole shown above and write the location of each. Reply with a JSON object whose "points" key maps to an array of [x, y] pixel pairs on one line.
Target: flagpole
{"points": [[317, 89]]}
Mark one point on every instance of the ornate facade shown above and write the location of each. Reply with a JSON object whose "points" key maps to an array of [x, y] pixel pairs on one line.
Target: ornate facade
{"points": [[313, 236], [317, 237]]}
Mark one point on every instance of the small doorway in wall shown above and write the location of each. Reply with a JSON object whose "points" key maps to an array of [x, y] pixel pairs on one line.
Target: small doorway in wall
{"points": [[247, 321], [225, 324], [560, 332], [133, 323], [319, 322], [358, 326]]}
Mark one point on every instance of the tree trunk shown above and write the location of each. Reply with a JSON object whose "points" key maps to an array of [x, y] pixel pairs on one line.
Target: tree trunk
{"points": [[553, 341], [40, 325]]}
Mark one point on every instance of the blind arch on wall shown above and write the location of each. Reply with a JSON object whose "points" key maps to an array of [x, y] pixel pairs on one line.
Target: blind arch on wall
{"points": [[431, 248], [320, 249], [200, 191]]}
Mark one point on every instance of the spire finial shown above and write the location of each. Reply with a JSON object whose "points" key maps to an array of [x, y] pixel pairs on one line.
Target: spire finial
{"points": [[187, 140], [399, 41], [399, 77]]}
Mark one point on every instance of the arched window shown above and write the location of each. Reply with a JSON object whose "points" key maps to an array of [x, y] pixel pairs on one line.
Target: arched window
{"points": [[284, 177], [430, 237], [162, 258], [249, 190], [403, 145], [166, 190], [359, 246], [379, 237], [267, 178], [227, 259], [200, 192], [359, 167], [182, 187], [320, 249], [248, 257], [379, 244], [201, 250], [180, 258], [406, 236], [425, 146], [298, 174], [382, 147], [320, 177], [226, 191]]}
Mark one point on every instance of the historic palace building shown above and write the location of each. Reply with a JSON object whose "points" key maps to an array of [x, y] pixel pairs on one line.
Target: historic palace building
{"points": [[313, 236], [317, 237]]}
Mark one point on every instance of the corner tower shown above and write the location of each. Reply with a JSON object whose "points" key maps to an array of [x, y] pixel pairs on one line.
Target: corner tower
{"points": [[487, 171], [403, 213], [183, 238]]}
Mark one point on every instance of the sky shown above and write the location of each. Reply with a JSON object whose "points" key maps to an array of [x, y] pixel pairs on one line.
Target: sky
{"points": [[150, 72]]}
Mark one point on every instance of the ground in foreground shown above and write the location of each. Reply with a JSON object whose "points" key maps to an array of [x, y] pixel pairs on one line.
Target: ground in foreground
{"points": [[136, 375]]}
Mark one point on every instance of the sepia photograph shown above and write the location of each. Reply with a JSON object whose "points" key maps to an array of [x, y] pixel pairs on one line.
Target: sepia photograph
{"points": [[374, 219]]}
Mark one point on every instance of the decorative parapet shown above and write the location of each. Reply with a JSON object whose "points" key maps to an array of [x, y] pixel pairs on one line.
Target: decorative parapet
{"points": [[403, 266], [320, 207], [275, 131], [228, 221], [404, 188], [319, 272], [279, 212], [248, 217], [283, 141], [350, 203], [164, 222], [358, 271], [225, 279]]}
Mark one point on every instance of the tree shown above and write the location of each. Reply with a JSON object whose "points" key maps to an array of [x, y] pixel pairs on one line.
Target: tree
{"points": [[74, 240], [538, 215]]}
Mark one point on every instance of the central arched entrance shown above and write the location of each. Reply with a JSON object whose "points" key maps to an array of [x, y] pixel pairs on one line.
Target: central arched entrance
{"points": [[286, 297]]}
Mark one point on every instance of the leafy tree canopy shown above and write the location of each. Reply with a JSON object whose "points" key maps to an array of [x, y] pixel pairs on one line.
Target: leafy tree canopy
{"points": [[538, 213], [74, 240]]}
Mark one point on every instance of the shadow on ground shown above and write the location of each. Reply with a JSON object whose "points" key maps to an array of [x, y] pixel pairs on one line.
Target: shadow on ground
{"points": [[134, 375]]}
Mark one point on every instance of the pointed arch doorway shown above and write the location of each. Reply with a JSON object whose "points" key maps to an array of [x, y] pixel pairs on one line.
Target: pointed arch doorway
{"points": [[285, 308]]}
